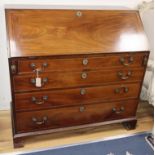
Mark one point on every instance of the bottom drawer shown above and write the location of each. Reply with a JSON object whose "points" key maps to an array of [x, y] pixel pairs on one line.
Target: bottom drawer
{"points": [[75, 115]]}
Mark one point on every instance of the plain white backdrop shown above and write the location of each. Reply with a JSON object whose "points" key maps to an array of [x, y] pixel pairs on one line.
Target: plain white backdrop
{"points": [[5, 95]]}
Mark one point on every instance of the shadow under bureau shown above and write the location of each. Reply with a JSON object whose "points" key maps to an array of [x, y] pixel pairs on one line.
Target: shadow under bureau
{"points": [[72, 69]]}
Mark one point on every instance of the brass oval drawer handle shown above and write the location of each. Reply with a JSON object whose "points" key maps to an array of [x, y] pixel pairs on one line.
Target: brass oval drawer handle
{"points": [[44, 65], [123, 76], [78, 13], [121, 110], [33, 66], [123, 61], [83, 91], [84, 75], [82, 109], [33, 81], [119, 90], [43, 121], [39, 101], [85, 61], [43, 82]]}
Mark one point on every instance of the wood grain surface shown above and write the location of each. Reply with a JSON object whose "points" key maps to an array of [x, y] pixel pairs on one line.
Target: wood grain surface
{"points": [[71, 116], [55, 32], [57, 80], [80, 62], [145, 123], [68, 97], [91, 64]]}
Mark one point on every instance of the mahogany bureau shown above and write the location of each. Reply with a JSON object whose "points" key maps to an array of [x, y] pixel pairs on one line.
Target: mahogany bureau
{"points": [[72, 69]]}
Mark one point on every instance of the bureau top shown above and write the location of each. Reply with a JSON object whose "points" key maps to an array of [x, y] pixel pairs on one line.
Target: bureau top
{"points": [[62, 32]]}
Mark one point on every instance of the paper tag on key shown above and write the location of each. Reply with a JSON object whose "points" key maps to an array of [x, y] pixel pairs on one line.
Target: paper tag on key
{"points": [[38, 79], [38, 82]]}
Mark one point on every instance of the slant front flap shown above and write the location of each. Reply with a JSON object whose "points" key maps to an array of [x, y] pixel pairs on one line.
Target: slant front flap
{"points": [[55, 32]]}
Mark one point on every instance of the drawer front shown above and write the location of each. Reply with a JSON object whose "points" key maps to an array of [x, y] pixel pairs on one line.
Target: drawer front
{"points": [[76, 115], [67, 97], [73, 79], [81, 62]]}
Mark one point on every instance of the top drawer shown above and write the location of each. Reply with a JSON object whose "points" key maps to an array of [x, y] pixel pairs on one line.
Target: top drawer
{"points": [[70, 63]]}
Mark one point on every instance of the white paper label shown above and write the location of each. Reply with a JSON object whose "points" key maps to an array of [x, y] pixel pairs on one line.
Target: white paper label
{"points": [[38, 82]]}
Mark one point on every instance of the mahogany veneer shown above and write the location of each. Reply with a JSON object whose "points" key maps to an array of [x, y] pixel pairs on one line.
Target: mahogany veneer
{"points": [[75, 63], [64, 32], [72, 69], [74, 79], [67, 97], [75, 115]]}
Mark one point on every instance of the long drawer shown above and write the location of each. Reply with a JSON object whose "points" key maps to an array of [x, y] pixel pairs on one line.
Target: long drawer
{"points": [[71, 63], [67, 97], [53, 80], [75, 115]]}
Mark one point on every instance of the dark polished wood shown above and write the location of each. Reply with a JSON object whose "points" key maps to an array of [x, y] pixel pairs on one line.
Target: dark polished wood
{"points": [[85, 126], [18, 142], [75, 115], [63, 32], [76, 96], [74, 79], [74, 69], [81, 62]]}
